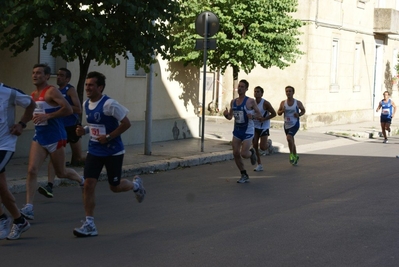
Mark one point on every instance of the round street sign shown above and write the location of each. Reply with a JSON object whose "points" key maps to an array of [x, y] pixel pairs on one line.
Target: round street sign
{"points": [[213, 24]]}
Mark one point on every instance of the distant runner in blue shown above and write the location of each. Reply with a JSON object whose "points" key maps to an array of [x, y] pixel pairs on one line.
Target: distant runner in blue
{"points": [[388, 110]]}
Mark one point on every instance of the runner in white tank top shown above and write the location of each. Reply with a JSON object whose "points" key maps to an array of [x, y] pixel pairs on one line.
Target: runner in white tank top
{"points": [[262, 126], [292, 110]]}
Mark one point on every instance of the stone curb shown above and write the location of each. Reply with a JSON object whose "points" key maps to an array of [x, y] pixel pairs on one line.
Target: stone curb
{"points": [[367, 134], [143, 168], [136, 169]]}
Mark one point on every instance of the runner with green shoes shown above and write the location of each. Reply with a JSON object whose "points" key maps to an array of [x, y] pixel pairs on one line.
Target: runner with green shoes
{"points": [[292, 110]]}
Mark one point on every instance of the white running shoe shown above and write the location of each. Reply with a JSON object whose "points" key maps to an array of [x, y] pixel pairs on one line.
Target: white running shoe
{"points": [[87, 229], [5, 227], [139, 191], [258, 168], [27, 212], [244, 179], [18, 229]]}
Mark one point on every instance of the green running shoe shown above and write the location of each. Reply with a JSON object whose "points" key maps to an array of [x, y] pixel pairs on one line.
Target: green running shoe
{"points": [[295, 160], [292, 159]]}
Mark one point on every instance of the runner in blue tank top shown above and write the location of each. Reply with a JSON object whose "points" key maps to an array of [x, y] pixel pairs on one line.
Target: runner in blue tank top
{"points": [[106, 121], [69, 124], [388, 110], [244, 110], [292, 110], [50, 136], [72, 119]]}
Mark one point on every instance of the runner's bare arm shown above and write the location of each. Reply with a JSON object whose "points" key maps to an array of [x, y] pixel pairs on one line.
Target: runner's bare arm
{"points": [[301, 108], [272, 113], [123, 126], [54, 97], [228, 113], [280, 110]]}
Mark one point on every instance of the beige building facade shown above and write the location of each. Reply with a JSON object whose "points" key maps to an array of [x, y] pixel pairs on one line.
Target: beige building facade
{"points": [[350, 51], [174, 116]]}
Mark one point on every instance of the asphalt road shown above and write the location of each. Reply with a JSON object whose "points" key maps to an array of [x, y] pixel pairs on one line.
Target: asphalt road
{"points": [[330, 210], [222, 129]]}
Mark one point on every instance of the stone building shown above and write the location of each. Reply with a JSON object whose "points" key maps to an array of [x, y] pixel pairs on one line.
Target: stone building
{"points": [[350, 52], [351, 49]]}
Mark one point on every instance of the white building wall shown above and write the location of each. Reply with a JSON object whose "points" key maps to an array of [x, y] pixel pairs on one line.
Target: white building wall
{"points": [[177, 90], [351, 23], [173, 105]]}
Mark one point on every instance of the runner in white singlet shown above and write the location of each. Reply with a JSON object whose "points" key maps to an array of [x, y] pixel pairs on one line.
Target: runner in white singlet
{"points": [[292, 110]]}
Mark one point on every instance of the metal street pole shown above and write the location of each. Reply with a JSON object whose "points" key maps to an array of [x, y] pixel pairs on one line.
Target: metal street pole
{"points": [[148, 112], [204, 79]]}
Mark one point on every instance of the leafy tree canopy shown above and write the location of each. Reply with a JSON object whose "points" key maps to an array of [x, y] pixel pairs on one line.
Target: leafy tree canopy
{"points": [[89, 30], [251, 32]]}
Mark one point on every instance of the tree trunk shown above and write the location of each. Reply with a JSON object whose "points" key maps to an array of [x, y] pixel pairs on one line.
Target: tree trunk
{"points": [[83, 70], [235, 81]]}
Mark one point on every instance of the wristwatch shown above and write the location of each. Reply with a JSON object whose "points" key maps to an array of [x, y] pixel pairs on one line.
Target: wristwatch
{"points": [[23, 124], [108, 137]]}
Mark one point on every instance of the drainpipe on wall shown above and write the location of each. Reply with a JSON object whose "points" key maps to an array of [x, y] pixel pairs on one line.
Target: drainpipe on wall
{"points": [[316, 19]]}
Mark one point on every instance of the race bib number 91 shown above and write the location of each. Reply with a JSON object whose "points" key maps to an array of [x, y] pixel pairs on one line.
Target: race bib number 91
{"points": [[96, 130]]}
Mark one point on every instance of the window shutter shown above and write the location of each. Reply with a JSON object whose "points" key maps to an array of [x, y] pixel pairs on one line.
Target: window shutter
{"points": [[46, 57], [130, 70]]}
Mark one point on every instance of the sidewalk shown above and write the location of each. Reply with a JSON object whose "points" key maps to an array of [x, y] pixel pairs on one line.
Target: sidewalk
{"points": [[173, 154], [165, 156]]}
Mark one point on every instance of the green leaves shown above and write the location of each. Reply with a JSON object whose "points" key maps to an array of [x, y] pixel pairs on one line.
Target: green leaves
{"points": [[90, 29], [101, 29], [251, 32]]}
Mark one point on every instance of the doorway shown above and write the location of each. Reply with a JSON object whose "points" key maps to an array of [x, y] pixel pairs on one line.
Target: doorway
{"points": [[378, 74]]}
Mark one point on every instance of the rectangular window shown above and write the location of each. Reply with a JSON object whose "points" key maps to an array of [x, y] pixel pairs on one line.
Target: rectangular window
{"points": [[46, 57], [334, 62], [394, 70], [130, 67], [356, 67], [394, 62], [334, 67]]}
